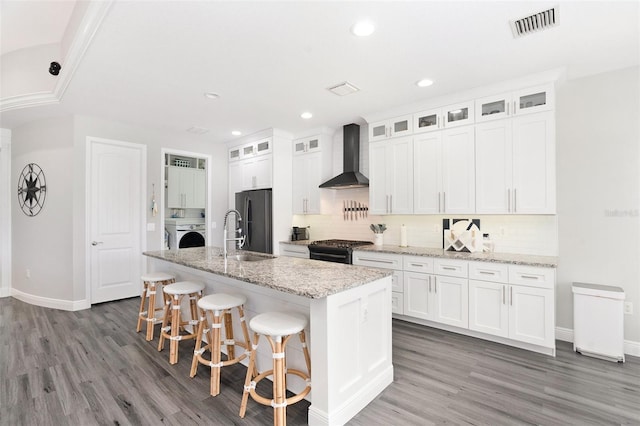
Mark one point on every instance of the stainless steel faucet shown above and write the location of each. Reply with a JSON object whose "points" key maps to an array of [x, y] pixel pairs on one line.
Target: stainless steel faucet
{"points": [[239, 239]]}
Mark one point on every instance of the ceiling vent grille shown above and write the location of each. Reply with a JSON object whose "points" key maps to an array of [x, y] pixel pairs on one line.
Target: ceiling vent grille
{"points": [[197, 130], [343, 89], [536, 22]]}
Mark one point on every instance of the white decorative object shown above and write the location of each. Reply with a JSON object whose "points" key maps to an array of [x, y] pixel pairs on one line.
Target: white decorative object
{"points": [[464, 235], [379, 239]]}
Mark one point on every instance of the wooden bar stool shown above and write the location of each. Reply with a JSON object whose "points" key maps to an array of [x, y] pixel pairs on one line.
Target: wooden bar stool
{"points": [[175, 293], [277, 327], [151, 283], [216, 309]]}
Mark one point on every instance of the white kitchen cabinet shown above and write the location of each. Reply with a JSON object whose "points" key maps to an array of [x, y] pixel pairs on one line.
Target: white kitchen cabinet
{"points": [[312, 161], [257, 172], [526, 101], [235, 182], [308, 145], [392, 128], [252, 149], [419, 298], [386, 261], [522, 312], [444, 177], [294, 250], [186, 187], [443, 118], [427, 121], [515, 165], [307, 176], [391, 177]]}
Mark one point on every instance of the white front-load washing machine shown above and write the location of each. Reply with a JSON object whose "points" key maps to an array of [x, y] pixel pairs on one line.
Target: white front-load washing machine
{"points": [[184, 235]]}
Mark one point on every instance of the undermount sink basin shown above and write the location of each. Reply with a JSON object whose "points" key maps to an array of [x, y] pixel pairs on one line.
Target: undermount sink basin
{"points": [[249, 257]]}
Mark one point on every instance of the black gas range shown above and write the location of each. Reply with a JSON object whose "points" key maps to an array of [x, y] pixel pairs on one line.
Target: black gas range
{"points": [[339, 251]]}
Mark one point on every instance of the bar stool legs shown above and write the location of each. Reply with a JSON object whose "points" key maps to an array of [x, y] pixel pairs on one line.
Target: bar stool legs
{"points": [[151, 283], [216, 309], [176, 292], [278, 328]]}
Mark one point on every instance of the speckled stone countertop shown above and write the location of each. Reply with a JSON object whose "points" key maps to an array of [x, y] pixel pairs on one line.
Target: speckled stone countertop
{"points": [[313, 279], [515, 259]]}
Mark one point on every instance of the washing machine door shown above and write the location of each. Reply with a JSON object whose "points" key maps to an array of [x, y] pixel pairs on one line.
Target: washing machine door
{"points": [[191, 239]]}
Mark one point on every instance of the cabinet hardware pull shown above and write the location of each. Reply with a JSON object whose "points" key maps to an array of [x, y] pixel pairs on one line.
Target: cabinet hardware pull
{"points": [[487, 272], [504, 302], [449, 268], [391, 203], [95, 243], [437, 121], [439, 210], [514, 108], [507, 107], [417, 265], [435, 285], [509, 200], [444, 202], [376, 260], [530, 277], [511, 296], [515, 201], [429, 283]]}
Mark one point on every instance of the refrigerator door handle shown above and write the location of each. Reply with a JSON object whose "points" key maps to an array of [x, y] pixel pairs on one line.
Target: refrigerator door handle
{"points": [[248, 222]]}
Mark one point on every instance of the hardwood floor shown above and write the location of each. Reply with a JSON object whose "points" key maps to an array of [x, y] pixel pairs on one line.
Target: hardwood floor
{"points": [[91, 368]]}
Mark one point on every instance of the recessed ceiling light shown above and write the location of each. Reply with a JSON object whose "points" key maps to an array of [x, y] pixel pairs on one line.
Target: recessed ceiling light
{"points": [[363, 28], [211, 95], [236, 133], [424, 83], [306, 115]]}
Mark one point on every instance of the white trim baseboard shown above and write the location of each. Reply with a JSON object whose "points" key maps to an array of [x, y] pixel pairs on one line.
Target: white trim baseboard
{"points": [[5, 292], [47, 302], [566, 335]]}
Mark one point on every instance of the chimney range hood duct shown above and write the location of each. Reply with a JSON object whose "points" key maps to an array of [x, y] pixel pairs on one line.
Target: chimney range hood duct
{"points": [[350, 177]]}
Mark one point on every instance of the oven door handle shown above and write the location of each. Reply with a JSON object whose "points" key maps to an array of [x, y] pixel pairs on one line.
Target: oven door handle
{"points": [[322, 256]]}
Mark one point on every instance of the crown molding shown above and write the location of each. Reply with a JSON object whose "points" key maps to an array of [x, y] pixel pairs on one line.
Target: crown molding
{"points": [[93, 17]]}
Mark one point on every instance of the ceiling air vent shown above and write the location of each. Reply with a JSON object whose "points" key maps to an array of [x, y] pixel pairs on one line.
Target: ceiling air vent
{"points": [[197, 130], [536, 22], [343, 89]]}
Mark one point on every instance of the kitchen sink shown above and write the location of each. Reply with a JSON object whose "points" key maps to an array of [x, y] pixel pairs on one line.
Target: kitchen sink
{"points": [[250, 257]]}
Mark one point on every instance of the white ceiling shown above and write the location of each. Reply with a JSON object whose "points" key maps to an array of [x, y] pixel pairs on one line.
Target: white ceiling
{"points": [[32, 23], [150, 62]]}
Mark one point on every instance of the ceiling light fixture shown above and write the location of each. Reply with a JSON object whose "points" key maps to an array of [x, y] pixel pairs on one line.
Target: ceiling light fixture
{"points": [[306, 115], [236, 133], [363, 28], [211, 95], [425, 82]]}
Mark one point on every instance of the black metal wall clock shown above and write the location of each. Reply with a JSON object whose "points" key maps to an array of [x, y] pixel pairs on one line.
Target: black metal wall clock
{"points": [[32, 189]]}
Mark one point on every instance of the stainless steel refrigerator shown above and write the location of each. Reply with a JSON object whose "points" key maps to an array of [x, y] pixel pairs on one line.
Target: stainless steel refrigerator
{"points": [[255, 209]]}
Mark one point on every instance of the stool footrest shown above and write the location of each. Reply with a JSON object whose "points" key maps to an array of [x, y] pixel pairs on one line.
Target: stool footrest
{"points": [[288, 401]]}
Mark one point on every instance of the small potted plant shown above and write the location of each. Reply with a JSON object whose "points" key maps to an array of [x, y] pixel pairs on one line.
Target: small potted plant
{"points": [[377, 232]]}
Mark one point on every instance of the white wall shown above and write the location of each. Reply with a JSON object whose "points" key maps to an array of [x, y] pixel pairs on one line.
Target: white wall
{"points": [[42, 243], [599, 188], [5, 212], [26, 71], [52, 244]]}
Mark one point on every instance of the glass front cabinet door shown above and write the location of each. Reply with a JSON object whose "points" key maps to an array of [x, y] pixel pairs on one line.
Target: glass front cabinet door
{"points": [[494, 107], [427, 121], [458, 114], [534, 99]]}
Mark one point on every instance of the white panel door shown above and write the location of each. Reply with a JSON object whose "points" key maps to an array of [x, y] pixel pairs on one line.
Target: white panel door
{"points": [[458, 170], [493, 167], [117, 176], [427, 173], [534, 164], [401, 170], [378, 186], [235, 182], [488, 308]]}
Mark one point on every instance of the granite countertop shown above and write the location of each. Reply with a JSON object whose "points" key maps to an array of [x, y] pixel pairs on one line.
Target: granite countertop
{"points": [[298, 243], [312, 279], [515, 259]]}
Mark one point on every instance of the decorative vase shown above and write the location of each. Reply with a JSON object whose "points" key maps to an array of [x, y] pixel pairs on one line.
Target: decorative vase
{"points": [[379, 240]]}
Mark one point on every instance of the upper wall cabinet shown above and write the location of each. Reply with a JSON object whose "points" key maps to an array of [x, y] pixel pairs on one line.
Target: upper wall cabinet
{"points": [[443, 118], [391, 177], [311, 167], [250, 167], [399, 126], [526, 101], [186, 187], [515, 165]]}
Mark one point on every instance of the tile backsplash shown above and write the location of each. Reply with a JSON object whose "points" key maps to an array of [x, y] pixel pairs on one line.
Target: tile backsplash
{"points": [[525, 234]]}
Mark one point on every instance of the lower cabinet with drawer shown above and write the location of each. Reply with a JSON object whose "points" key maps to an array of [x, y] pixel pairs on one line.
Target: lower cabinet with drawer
{"points": [[294, 250], [506, 303], [513, 301], [386, 261]]}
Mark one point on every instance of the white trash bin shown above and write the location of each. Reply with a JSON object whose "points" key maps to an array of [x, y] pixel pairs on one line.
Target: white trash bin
{"points": [[598, 321]]}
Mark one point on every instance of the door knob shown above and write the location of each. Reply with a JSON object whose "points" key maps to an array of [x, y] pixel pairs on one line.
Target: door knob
{"points": [[95, 243]]}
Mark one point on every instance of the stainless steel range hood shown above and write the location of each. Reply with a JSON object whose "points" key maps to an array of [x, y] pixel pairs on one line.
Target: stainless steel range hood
{"points": [[351, 176]]}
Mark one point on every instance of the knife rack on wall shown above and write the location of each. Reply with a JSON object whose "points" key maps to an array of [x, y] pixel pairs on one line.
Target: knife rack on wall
{"points": [[354, 210]]}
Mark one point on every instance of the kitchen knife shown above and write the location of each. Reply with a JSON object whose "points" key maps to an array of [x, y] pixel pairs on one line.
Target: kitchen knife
{"points": [[359, 210], [344, 209]]}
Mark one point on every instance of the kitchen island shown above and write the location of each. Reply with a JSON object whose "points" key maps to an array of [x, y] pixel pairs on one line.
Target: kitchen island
{"points": [[349, 310]]}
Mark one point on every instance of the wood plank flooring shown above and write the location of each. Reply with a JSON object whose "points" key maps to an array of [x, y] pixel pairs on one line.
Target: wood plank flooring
{"points": [[91, 368]]}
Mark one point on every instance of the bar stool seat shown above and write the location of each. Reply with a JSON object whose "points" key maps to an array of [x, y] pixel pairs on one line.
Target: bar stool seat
{"points": [[172, 322], [151, 283], [277, 327], [216, 309]]}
